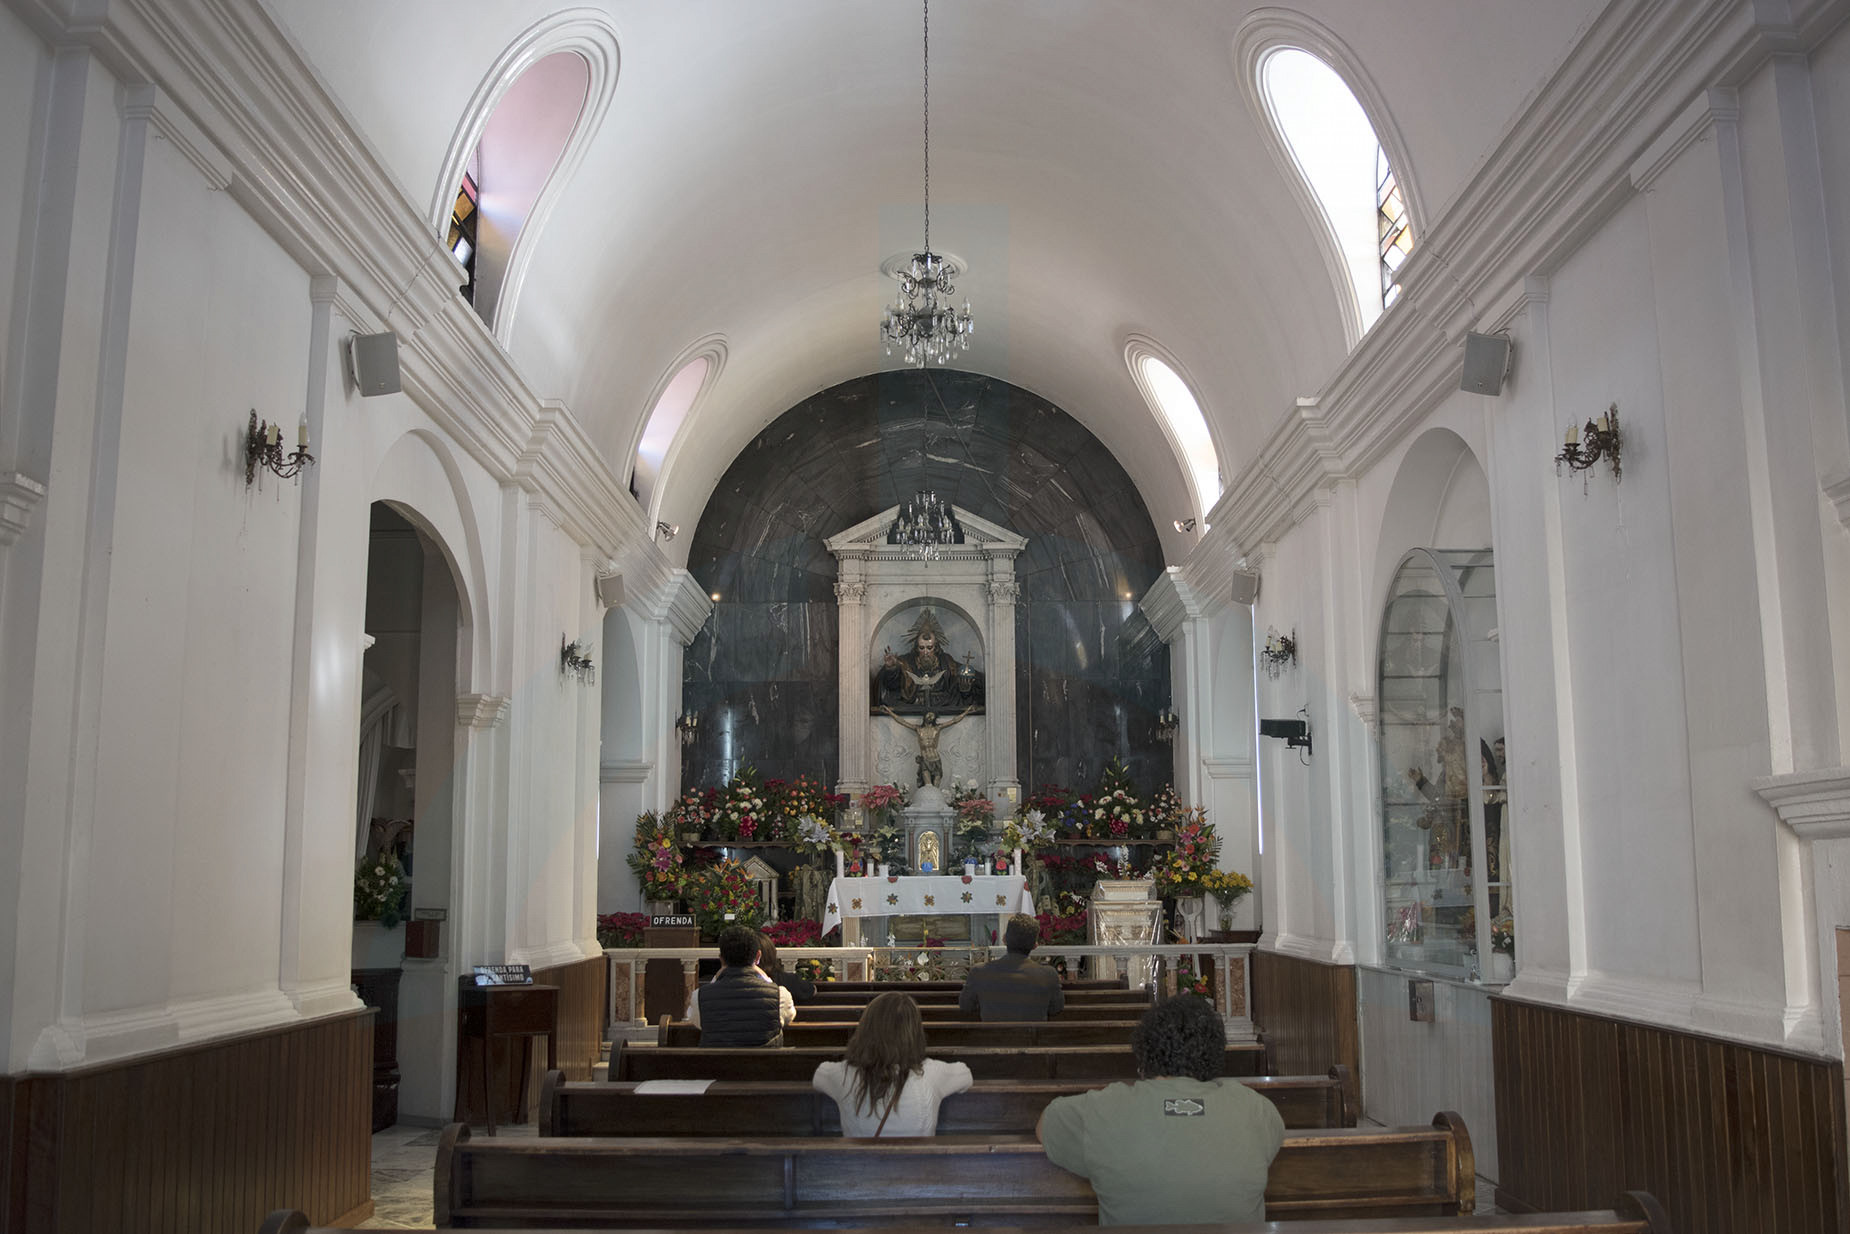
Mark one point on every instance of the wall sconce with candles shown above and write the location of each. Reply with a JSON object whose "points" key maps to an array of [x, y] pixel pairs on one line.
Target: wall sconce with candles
{"points": [[1279, 651], [1167, 722], [1584, 447], [575, 661], [687, 725], [263, 446]]}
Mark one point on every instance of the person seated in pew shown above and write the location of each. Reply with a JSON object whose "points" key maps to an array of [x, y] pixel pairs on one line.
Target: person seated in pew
{"points": [[885, 1086], [1014, 987], [740, 1006], [1182, 1145], [801, 991]]}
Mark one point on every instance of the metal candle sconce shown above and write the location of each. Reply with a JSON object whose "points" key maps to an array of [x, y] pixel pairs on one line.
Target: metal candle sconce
{"points": [[1586, 446], [263, 446], [575, 661]]}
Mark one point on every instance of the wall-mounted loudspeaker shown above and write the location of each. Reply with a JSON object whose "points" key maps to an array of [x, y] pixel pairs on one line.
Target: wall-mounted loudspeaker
{"points": [[1245, 586], [372, 361], [1487, 363], [610, 590]]}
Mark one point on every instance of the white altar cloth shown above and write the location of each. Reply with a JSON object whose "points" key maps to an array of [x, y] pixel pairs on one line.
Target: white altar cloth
{"points": [[926, 894]]}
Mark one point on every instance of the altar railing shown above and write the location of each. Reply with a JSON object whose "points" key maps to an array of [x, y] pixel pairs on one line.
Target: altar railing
{"points": [[1230, 964]]}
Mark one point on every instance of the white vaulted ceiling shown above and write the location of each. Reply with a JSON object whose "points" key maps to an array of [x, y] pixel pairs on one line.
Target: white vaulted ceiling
{"points": [[1094, 160]]}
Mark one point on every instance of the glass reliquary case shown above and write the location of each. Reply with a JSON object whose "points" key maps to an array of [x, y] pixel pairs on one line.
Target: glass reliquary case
{"points": [[1445, 867]]}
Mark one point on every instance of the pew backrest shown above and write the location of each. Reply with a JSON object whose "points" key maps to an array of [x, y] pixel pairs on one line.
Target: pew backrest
{"points": [[1017, 1034], [986, 1062], [793, 1108], [651, 1182]]}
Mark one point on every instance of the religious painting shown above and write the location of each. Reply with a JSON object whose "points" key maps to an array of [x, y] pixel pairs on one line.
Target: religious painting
{"points": [[927, 664]]}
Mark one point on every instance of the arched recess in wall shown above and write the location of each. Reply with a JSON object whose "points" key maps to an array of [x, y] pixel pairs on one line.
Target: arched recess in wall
{"points": [[673, 403], [1440, 498], [622, 738], [419, 477], [546, 140], [1269, 31], [1175, 403]]}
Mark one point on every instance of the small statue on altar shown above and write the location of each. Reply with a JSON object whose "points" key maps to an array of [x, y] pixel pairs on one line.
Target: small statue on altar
{"points": [[931, 763], [928, 677]]}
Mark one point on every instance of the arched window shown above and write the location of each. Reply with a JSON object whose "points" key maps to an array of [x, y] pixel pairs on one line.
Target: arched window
{"points": [[1326, 126], [689, 377], [519, 140], [1179, 412]]}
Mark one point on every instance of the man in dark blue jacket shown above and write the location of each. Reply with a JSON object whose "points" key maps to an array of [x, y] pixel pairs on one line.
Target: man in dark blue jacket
{"points": [[1014, 987]]}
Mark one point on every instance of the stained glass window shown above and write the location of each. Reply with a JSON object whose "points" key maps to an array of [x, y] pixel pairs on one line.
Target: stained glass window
{"points": [[1395, 227]]}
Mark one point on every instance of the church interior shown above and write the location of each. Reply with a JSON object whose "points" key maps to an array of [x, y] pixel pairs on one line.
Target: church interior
{"points": [[1413, 433]]}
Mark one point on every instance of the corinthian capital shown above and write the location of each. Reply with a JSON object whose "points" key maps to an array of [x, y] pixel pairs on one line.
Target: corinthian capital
{"points": [[851, 593]]}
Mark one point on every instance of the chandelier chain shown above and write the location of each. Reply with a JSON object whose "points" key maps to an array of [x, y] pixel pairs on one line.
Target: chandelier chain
{"points": [[927, 75]]}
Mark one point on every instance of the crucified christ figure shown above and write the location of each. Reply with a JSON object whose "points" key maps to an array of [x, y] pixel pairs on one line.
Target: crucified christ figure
{"points": [[931, 765]]}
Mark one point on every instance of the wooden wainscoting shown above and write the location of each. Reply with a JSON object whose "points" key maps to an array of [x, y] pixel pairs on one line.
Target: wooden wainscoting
{"points": [[199, 1140], [1306, 1014], [1732, 1138], [581, 1013]]}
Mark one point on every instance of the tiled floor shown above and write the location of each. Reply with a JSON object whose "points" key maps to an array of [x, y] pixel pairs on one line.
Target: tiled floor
{"points": [[404, 1164]]}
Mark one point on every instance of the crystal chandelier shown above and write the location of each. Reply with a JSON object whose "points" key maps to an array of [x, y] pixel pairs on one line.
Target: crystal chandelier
{"points": [[925, 524], [923, 321]]}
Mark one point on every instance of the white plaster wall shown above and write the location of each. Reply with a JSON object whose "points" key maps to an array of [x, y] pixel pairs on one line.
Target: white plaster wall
{"points": [[1411, 1070], [21, 58], [1620, 585]]}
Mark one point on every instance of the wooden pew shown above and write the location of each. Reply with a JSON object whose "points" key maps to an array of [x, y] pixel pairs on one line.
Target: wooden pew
{"points": [[793, 1108], [836, 1013], [1079, 1062], [672, 1183], [1018, 1035], [1636, 1213], [828, 992], [1072, 987]]}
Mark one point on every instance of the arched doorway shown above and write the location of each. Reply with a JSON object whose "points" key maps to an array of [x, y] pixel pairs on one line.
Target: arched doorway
{"points": [[405, 815]]}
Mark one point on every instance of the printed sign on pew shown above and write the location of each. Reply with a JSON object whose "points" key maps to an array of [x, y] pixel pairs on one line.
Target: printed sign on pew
{"points": [[503, 974]]}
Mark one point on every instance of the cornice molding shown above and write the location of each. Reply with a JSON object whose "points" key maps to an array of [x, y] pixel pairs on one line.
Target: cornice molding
{"points": [[679, 603], [1168, 604], [624, 771], [480, 710], [20, 495], [1815, 804], [1558, 172], [235, 94], [1837, 488]]}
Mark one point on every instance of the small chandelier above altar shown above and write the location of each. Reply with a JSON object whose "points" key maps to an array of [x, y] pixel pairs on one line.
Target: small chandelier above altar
{"points": [[924, 322], [923, 525]]}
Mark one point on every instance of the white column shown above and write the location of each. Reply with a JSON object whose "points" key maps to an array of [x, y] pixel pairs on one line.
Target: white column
{"points": [[854, 763], [999, 685]]}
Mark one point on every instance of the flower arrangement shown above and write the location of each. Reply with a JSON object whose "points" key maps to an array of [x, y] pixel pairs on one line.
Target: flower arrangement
{"points": [[1066, 923], [1061, 808], [1028, 832], [1188, 981], [881, 798], [1165, 811], [722, 895], [1188, 868], [688, 818], [798, 932], [1226, 886], [656, 861], [1104, 867], [1114, 811], [804, 797], [813, 836], [1503, 935], [744, 808], [621, 929], [380, 888], [975, 813]]}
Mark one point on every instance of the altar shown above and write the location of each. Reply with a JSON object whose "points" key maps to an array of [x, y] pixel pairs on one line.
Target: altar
{"points": [[918, 895]]}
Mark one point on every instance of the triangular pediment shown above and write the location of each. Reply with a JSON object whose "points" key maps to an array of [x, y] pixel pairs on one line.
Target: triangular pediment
{"points": [[981, 537]]}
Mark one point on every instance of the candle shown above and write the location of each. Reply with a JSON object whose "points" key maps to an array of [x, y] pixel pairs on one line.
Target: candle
{"points": [[276, 434], [301, 435], [1573, 434], [1605, 422]]}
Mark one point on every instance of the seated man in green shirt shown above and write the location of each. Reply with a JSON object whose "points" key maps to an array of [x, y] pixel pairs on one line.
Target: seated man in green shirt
{"points": [[1183, 1145]]}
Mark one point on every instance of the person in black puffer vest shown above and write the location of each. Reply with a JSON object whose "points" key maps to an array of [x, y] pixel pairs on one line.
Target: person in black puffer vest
{"points": [[741, 1006]]}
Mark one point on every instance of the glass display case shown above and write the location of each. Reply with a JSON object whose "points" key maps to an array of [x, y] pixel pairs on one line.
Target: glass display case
{"points": [[1446, 890]]}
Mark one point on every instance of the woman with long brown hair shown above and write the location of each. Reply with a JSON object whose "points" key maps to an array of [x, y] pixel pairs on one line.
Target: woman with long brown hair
{"points": [[885, 1086]]}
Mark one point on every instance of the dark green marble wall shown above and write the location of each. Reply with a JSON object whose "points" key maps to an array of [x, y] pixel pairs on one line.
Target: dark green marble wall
{"points": [[1090, 673]]}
